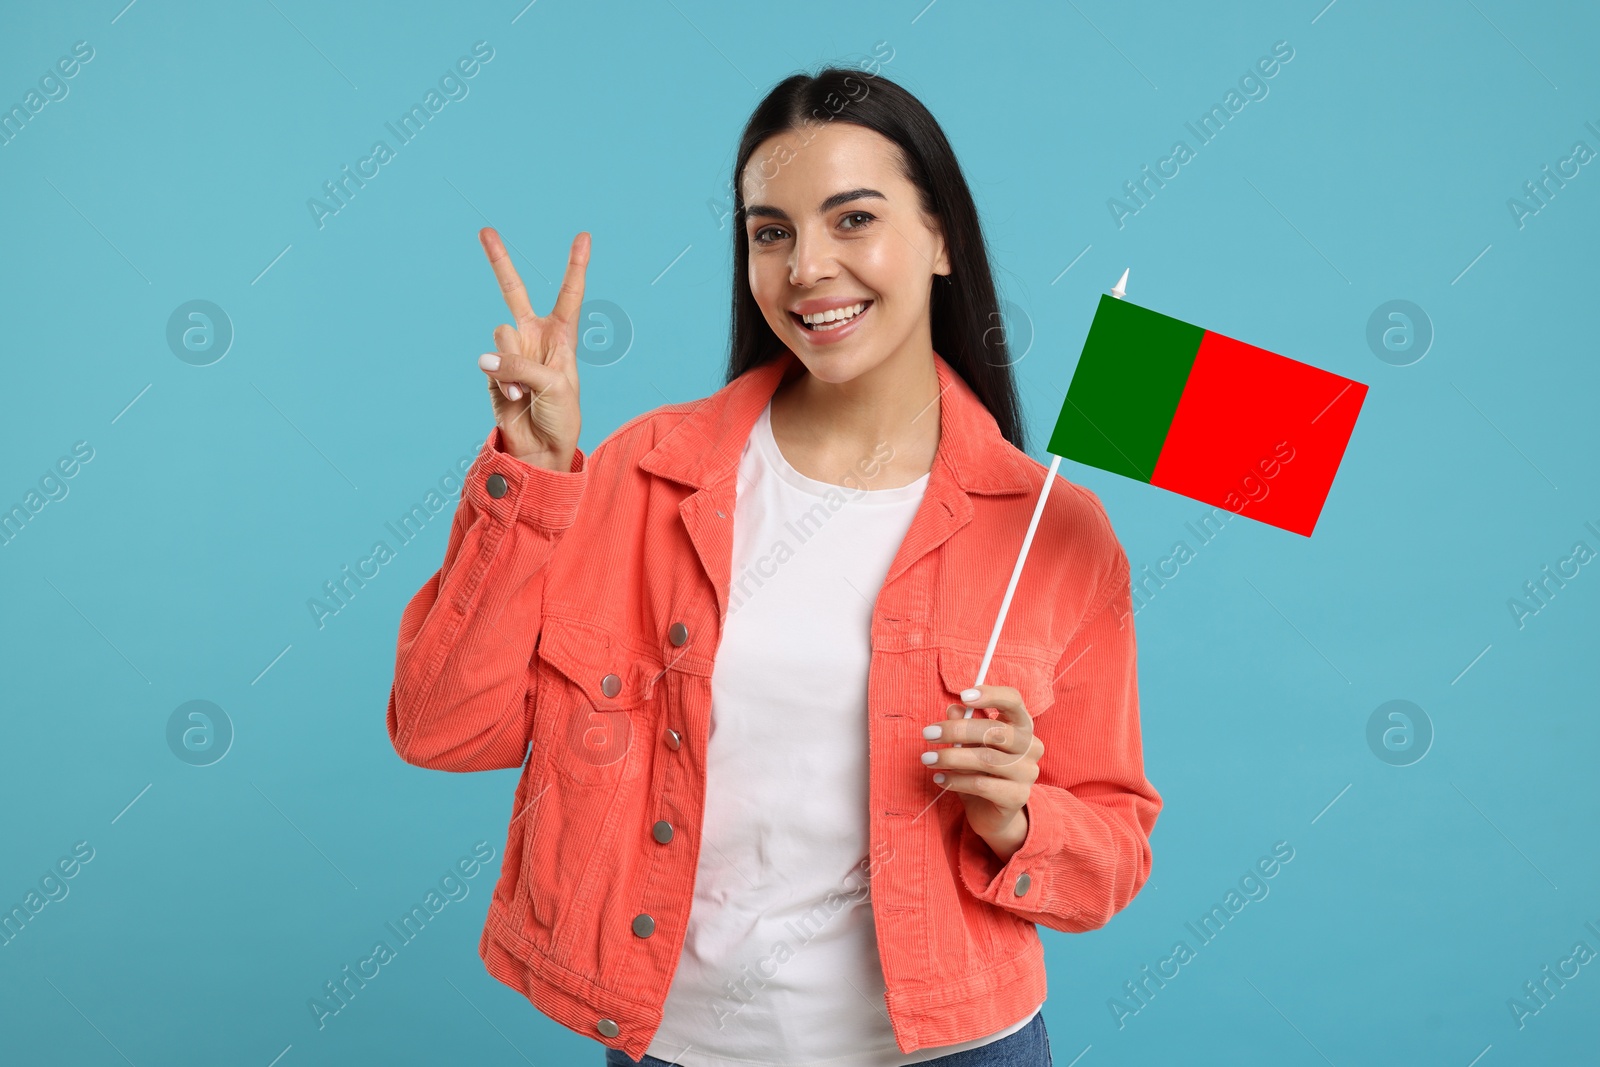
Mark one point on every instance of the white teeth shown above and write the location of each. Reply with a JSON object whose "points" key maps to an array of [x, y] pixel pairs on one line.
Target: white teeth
{"points": [[835, 315]]}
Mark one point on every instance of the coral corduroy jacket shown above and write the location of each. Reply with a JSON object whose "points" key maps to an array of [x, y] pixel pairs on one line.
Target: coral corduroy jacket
{"points": [[572, 630]]}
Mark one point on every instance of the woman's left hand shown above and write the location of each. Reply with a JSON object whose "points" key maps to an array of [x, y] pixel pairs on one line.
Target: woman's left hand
{"points": [[996, 766]]}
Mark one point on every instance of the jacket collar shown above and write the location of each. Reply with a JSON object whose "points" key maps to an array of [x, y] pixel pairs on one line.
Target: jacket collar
{"points": [[704, 447]]}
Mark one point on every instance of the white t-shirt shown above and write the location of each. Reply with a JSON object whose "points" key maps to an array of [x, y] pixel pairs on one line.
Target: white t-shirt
{"points": [[770, 973]]}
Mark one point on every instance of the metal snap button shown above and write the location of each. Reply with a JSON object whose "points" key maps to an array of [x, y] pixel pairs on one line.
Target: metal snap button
{"points": [[496, 484], [662, 831], [672, 739], [608, 1028], [643, 925], [1023, 881], [611, 685], [678, 633]]}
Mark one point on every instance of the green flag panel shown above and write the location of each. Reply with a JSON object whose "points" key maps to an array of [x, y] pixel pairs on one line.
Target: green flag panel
{"points": [[1126, 388]]}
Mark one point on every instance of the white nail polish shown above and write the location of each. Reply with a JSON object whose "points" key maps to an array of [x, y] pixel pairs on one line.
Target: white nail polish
{"points": [[514, 391]]}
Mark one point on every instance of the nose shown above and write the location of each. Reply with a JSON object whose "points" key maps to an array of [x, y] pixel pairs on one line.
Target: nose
{"points": [[811, 261]]}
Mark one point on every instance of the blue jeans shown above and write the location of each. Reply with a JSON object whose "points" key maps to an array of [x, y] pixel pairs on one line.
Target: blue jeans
{"points": [[1028, 1047]]}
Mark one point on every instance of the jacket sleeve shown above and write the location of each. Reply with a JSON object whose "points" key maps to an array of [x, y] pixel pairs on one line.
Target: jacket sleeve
{"points": [[1091, 810], [464, 666]]}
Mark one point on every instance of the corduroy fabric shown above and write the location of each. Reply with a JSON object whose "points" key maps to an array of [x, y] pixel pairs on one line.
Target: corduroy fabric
{"points": [[571, 577]]}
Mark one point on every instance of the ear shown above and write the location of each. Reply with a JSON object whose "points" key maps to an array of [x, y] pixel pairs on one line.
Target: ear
{"points": [[941, 254], [941, 261]]}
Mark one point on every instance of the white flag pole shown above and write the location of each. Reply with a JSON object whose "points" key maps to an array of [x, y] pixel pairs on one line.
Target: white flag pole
{"points": [[1119, 290]]}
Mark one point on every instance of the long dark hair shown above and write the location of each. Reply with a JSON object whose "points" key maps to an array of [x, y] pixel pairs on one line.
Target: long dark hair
{"points": [[967, 330]]}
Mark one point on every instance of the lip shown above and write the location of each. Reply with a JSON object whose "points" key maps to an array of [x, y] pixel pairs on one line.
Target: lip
{"points": [[827, 303], [828, 337]]}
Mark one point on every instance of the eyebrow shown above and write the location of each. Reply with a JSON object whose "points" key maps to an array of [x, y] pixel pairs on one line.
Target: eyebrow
{"points": [[837, 199]]}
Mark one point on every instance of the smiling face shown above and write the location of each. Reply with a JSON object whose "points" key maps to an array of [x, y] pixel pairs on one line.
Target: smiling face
{"points": [[833, 226]]}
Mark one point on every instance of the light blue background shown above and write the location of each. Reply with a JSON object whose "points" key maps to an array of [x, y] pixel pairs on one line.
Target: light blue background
{"points": [[1419, 899]]}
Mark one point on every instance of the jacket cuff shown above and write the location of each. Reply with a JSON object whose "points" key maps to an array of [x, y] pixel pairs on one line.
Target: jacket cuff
{"points": [[1020, 883], [508, 489]]}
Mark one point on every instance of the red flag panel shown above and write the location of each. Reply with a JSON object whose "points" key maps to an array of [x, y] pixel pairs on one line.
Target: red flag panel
{"points": [[1258, 433]]}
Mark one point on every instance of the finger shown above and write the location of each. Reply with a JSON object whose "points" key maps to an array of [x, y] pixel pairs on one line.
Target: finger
{"points": [[570, 299], [508, 342], [982, 759], [511, 288], [982, 730], [1001, 792], [1005, 699], [509, 390], [511, 370]]}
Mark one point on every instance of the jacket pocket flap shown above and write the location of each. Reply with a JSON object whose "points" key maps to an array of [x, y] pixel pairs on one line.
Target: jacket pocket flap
{"points": [[1030, 675], [611, 677]]}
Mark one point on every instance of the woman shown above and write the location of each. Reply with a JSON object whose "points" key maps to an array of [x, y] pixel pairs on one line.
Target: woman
{"points": [[726, 647]]}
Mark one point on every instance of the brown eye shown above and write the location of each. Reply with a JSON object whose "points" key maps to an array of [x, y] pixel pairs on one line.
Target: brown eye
{"points": [[761, 238], [858, 215]]}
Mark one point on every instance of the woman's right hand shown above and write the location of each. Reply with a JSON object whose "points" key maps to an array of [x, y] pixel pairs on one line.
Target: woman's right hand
{"points": [[533, 375]]}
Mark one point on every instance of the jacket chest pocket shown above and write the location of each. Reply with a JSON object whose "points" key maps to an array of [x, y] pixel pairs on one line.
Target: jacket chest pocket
{"points": [[593, 700], [1029, 671]]}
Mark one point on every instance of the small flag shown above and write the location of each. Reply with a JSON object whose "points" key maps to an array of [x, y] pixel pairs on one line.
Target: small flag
{"points": [[1214, 419]]}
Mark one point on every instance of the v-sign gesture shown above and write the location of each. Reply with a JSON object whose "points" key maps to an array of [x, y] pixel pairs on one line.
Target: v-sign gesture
{"points": [[533, 375]]}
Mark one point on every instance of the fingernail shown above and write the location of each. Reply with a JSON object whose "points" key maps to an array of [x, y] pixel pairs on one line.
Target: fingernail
{"points": [[514, 391], [930, 757], [489, 361], [932, 732], [969, 695], [939, 778]]}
